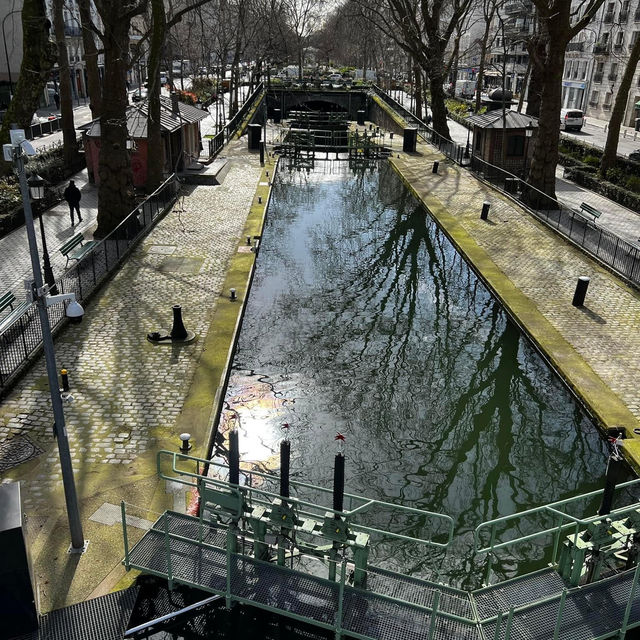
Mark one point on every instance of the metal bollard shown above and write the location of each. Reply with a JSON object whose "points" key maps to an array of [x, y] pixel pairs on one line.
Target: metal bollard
{"points": [[580, 292], [485, 210], [65, 379], [184, 438], [435, 167]]}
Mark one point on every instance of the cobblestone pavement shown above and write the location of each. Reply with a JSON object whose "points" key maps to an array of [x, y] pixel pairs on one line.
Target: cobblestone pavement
{"points": [[545, 268], [128, 392]]}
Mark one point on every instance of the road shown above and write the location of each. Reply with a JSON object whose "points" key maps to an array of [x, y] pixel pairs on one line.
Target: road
{"points": [[594, 133]]}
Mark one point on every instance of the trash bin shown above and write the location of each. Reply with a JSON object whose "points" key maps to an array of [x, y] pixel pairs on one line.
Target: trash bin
{"points": [[255, 132], [511, 185], [410, 139], [360, 117], [277, 116]]}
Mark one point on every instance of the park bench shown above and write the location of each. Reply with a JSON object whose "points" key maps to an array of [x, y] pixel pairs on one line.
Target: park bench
{"points": [[76, 248], [6, 302], [589, 213]]}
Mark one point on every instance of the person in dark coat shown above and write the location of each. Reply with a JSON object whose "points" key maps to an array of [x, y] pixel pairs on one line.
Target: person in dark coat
{"points": [[72, 195]]}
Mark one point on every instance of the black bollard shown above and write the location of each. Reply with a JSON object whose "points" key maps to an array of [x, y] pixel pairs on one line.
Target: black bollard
{"points": [[485, 210], [435, 167], [178, 332], [615, 470], [580, 292], [65, 379], [234, 458], [338, 483], [285, 460]]}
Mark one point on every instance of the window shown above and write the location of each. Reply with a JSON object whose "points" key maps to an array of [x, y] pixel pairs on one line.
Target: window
{"points": [[600, 68], [607, 99], [605, 37], [634, 37], [515, 146], [594, 98], [583, 75]]}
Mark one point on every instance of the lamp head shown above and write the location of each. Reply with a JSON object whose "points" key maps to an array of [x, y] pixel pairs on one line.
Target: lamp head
{"points": [[74, 312]]}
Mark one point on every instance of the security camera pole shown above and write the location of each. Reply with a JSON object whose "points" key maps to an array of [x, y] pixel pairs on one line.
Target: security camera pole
{"points": [[78, 544]]}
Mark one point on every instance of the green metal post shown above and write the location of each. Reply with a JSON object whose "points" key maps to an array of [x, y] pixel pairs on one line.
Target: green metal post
{"points": [[167, 546], [333, 561], [556, 540], [360, 560], [338, 623], [496, 635], [123, 510], [627, 611], [231, 540], [556, 631], [492, 539], [434, 615], [507, 633]]}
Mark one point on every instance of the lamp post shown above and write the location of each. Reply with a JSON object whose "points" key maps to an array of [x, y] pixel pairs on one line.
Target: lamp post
{"points": [[528, 133], [36, 189], [14, 153]]}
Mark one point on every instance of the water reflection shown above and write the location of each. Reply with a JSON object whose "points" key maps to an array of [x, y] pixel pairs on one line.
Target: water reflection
{"points": [[363, 319]]}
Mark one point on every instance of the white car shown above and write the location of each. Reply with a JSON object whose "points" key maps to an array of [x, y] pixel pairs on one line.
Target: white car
{"points": [[571, 119]]}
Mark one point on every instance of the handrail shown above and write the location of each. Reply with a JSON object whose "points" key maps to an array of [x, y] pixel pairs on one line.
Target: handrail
{"points": [[552, 509], [256, 493]]}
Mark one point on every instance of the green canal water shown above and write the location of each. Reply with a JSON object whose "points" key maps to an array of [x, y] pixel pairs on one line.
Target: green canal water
{"points": [[362, 319]]}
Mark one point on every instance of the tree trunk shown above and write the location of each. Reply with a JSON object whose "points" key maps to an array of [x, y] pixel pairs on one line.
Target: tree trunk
{"points": [[417, 72], [438, 107], [91, 59], [542, 174], [38, 58], [525, 82], [610, 155], [70, 145], [537, 51], [115, 195], [155, 147]]}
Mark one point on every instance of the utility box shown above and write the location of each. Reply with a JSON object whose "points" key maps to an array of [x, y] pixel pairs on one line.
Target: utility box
{"points": [[410, 139], [360, 117], [18, 610], [255, 132]]}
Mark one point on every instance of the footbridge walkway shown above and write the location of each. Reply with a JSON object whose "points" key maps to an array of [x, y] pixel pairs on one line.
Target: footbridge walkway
{"points": [[287, 551]]}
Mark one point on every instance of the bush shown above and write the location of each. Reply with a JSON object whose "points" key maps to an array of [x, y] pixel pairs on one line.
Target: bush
{"points": [[604, 187], [633, 184], [592, 161]]}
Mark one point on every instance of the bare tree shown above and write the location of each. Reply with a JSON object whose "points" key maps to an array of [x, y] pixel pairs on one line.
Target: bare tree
{"points": [[560, 21], [303, 18], [70, 144], [610, 154], [90, 58], [39, 56]]}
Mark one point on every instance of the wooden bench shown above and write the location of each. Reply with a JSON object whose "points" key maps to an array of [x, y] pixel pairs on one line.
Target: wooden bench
{"points": [[77, 248], [588, 212], [6, 302]]}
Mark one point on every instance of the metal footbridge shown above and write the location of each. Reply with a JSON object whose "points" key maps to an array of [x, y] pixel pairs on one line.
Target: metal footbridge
{"points": [[275, 544]]}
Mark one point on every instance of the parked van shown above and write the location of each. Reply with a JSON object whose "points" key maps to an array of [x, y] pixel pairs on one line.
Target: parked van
{"points": [[571, 119]]}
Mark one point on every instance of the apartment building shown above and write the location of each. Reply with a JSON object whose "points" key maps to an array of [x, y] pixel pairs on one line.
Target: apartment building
{"points": [[597, 58]]}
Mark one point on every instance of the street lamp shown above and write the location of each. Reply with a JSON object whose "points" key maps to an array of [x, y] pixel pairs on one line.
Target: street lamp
{"points": [[15, 153], [36, 189]]}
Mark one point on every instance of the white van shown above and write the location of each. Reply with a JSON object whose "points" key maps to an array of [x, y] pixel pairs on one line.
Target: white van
{"points": [[571, 119]]}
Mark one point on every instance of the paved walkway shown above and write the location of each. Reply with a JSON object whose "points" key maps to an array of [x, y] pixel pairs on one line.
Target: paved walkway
{"points": [[129, 395]]}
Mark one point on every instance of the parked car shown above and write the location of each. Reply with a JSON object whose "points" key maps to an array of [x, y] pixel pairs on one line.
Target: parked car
{"points": [[571, 119], [635, 155]]}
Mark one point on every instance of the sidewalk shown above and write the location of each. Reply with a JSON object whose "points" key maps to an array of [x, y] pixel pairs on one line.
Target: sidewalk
{"points": [[131, 397]]}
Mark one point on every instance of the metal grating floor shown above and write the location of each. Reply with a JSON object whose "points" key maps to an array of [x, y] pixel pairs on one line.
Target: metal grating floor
{"points": [[104, 618], [592, 611]]}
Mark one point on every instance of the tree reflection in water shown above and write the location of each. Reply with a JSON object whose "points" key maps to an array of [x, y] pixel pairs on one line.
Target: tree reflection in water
{"points": [[368, 321]]}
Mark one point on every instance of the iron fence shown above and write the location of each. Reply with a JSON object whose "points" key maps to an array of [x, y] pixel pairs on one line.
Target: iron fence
{"points": [[616, 253], [20, 341]]}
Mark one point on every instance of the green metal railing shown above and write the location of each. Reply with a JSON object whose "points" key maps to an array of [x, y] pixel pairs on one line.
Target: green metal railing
{"points": [[564, 524], [253, 495]]}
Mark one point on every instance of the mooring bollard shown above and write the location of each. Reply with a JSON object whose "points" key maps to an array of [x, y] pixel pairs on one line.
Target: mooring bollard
{"points": [[485, 210], [435, 167], [580, 292], [65, 380], [185, 446], [178, 331]]}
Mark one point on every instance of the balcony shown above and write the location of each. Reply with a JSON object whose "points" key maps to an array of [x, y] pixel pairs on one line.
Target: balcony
{"points": [[575, 46], [613, 77], [597, 77], [607, 106], [618, 46], [593, 103], [600, 48], [608, 18], [623, 16]]}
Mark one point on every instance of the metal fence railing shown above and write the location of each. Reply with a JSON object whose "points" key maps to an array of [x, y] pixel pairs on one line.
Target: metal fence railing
{"points": [[612, 250], [20, 340]]}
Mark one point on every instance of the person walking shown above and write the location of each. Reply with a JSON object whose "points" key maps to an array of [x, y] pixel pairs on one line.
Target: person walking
{"points": [[72, 195]]}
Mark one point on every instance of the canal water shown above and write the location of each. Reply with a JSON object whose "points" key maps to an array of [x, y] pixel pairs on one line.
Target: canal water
{"points": [[363, 320]]}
